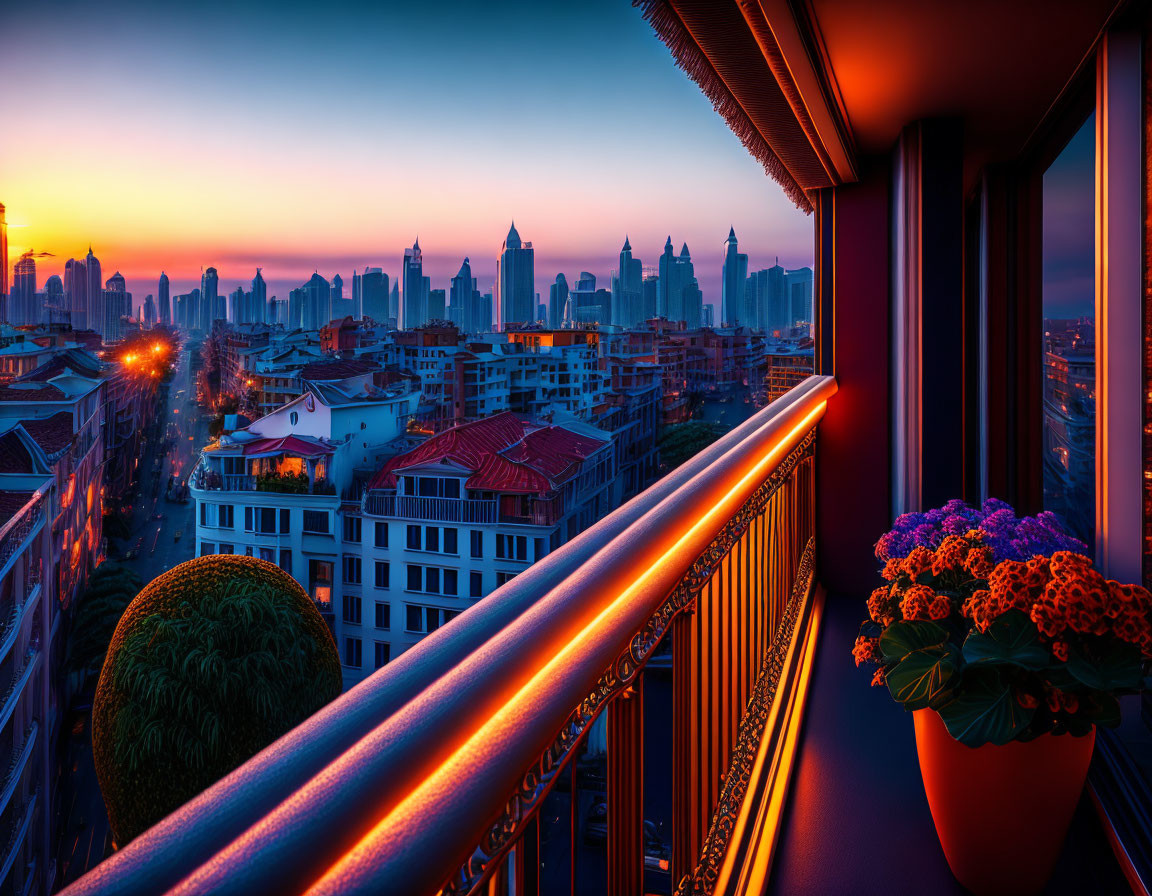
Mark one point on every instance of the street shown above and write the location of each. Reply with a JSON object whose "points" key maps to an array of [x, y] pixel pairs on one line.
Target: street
{"points": [[152, 548], [164, 531]]}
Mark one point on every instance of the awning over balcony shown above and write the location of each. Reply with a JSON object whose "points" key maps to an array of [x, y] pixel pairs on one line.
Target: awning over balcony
{"points": [[286, 445], [729, 50], [810, 87]]}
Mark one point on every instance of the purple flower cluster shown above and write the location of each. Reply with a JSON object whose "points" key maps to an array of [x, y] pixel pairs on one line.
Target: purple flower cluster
{"points": [[1009, 537]]}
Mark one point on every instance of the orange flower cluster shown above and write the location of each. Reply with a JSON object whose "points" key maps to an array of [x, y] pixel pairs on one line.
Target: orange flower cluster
{"points": [[920, 602], [1064, 596], [882, 606], [918, 561], [961, 557], [867, 650]]}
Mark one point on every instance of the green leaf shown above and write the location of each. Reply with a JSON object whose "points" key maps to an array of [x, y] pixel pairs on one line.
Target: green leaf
{"points": [[1115, 668], [902, 638], [923, 676], [1011, 638], [984, 710]]}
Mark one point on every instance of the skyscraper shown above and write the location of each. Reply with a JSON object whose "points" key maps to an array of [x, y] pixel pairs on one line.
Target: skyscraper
{"points": [[670, 287], [734, 274], [627, 288], [766, 300], [437, 306], [94, 306], [3, 254], [394, 304], [260, 298], [649, 297], [370, 295], [116, 305], [165, 302], [414, 307], [678, 296], [466, 309], [209, 295], [76, 292], [558, 301], [149, 313], [54, 303], [22, 297], [237, 308], [515, 296], [798, 288], [316, 309], [337, 307]]}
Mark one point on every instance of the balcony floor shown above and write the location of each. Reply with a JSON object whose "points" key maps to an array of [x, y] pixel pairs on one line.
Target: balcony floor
{"points": [[857, 820]]}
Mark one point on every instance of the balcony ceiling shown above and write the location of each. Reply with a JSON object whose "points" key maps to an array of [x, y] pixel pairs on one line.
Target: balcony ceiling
{"points": [[997, 65]]}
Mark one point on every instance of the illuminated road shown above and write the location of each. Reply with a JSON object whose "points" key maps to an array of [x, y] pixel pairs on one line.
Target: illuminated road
{"points": [[158, 518]]}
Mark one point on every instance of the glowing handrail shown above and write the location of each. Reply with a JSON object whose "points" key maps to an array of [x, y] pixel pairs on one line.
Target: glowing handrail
{"points": [[427, 750]]}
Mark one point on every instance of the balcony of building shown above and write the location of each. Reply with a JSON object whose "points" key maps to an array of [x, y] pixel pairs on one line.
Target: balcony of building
{"points": [[289, 465], [667, 703]]}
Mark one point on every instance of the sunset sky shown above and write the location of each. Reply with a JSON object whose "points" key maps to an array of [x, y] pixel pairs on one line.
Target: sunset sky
{"points": [[301, 137]]}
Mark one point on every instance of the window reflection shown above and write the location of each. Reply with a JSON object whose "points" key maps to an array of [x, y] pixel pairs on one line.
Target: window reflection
{"points": [[1069, 333]]}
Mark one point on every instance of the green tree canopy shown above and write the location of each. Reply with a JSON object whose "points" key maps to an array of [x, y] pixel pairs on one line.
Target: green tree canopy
{"points": [[213, 661]]}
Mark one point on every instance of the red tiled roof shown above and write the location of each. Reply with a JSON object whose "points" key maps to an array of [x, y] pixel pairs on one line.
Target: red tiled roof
{"points": [[11, 503], [503, 454], [336, 370], [290, 444], [53, 433], [39, 392]]}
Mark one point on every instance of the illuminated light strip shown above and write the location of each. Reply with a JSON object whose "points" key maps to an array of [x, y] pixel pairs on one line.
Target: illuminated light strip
{"points": [[1123, 859], [340, 876], [762, 844]]}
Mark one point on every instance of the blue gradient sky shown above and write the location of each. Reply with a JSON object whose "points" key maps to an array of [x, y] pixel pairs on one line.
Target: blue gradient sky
{"points": [[327, 136], [1069, 261]]}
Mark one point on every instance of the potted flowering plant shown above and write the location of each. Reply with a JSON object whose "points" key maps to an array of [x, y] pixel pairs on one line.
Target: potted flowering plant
{"points": [[1010, 648]]}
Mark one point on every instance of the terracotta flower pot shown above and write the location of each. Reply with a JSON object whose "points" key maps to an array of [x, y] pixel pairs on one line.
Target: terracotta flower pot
{"points": [[1001, 813]]}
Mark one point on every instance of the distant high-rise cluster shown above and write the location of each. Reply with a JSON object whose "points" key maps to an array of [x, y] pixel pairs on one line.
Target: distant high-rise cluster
{"points": [[772, 300]]}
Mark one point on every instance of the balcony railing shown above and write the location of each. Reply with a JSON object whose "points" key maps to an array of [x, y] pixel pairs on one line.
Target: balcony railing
{"points": [[16, 765], [17, 529], [430, 776], [15, 836], [438, 510], [274, 483], [13, 618]]}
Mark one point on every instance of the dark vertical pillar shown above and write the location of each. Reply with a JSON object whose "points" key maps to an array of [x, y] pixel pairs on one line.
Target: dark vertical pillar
{"points": [[942, 311], [626, 792], [685, 845], [528, 859], [852, 450]]}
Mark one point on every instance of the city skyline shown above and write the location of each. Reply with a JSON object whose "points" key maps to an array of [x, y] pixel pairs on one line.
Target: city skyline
{"points": [[229, 154], [279, 287]]}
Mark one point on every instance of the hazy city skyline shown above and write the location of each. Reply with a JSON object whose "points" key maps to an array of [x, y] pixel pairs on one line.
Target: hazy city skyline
{"points": [[225, 151]]}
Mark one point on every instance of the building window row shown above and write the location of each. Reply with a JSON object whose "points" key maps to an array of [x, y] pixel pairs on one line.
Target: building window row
{"points": [[432, 580], [432, 538], [421, 620]]}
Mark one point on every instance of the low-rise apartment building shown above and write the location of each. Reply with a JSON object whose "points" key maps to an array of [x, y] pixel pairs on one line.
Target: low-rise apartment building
{"points": [[273, 488], [446, 523]]}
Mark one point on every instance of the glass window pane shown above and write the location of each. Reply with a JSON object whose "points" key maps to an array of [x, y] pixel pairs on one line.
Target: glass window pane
{"points": [[1069, 334]]}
